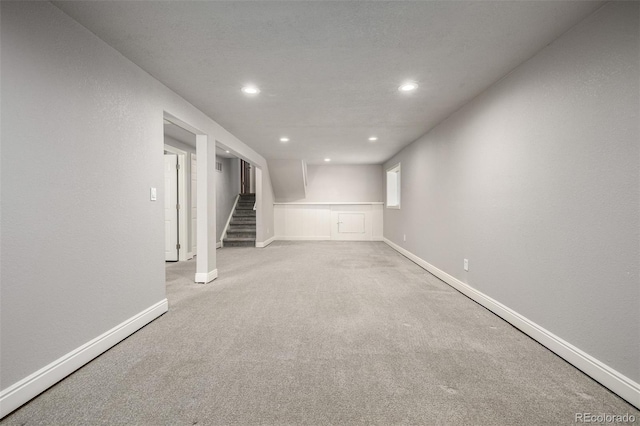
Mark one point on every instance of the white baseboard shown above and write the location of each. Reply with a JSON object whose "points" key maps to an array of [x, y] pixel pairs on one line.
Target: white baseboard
{"points": [[599, 371], [31, 386], [320, 238], [263, 244], [219, 244], [302, 238], [206, 277]]}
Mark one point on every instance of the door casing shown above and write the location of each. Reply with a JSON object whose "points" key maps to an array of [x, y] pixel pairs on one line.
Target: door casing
{"points": [[184, 201], [171, 232]]}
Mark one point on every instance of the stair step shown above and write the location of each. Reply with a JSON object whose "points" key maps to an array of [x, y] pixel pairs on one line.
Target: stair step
{"points": [[241, 228], [239, 242], [244, 207], [244, 213], [244, 222], [237, 236], [249, 233]]}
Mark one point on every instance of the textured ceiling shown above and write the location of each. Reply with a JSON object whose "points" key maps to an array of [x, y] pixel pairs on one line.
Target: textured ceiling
{"points": [[328, 71]]}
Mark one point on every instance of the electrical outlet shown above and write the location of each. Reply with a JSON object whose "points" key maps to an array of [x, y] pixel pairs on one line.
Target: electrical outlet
{"points": [[404, 237], [466, 264]]}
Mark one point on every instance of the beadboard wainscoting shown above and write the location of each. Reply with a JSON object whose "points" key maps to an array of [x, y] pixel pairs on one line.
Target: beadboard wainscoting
{"points": [[328, 221]]}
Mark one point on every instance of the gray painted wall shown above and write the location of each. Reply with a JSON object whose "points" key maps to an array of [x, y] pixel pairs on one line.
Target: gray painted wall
{"points": [[536, 182], [227, 189], [82, 143], [344, 183], [288, 179]]}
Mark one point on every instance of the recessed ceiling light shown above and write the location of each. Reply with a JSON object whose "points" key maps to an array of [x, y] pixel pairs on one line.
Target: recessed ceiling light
{"points": [[409, 86], [373, 138], [227, 152], [250, 90], [284, 139], [327, 159]]}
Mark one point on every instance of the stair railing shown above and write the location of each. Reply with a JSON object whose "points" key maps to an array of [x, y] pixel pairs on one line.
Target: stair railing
{"points": [[226, 226]]}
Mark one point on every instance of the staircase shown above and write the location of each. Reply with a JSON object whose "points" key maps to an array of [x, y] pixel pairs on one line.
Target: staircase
{"points": [[242, 228]]}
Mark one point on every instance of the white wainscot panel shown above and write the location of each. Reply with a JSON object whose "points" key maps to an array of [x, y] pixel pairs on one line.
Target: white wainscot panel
{"points": [[302, 222], [321, 221]]}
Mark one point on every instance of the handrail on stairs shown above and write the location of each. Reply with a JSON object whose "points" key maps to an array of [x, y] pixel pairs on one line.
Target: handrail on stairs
{"points": [[224, 231]]}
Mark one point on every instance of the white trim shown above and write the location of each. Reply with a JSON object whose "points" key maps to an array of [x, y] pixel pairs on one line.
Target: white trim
{"points": [[219, 244], [182, 200], [31, 386], [302, 238], [263, 244], [204, 278], [336, 203], [599, 371], [226, 226], [193, 185], [397, 169]]}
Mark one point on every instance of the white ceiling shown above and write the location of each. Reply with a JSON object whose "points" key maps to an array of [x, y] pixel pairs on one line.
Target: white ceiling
{"points": [[328, 71]]}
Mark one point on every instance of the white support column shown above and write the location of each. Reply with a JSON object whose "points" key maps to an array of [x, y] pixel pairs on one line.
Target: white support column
{"points": [[206, 210], [259, 212]]}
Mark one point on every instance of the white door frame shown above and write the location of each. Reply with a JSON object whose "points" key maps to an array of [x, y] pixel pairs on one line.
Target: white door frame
{"points": [[171, 249], [206, 195], [183, 239]]}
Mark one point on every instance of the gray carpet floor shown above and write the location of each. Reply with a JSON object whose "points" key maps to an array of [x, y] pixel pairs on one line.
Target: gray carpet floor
{"points": [[320, 333]]}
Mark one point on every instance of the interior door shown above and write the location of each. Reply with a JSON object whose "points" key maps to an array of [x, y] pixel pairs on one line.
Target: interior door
{"points": [[349, 226], [170, 207], [351, 222]]}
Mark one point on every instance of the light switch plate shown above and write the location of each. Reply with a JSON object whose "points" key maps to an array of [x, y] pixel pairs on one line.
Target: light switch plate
{"points": [[154, 194]]}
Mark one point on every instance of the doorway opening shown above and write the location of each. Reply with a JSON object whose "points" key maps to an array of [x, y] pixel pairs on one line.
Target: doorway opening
{"points": [[171, 208], [247, 178], [236, 210], [180, 189]]}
